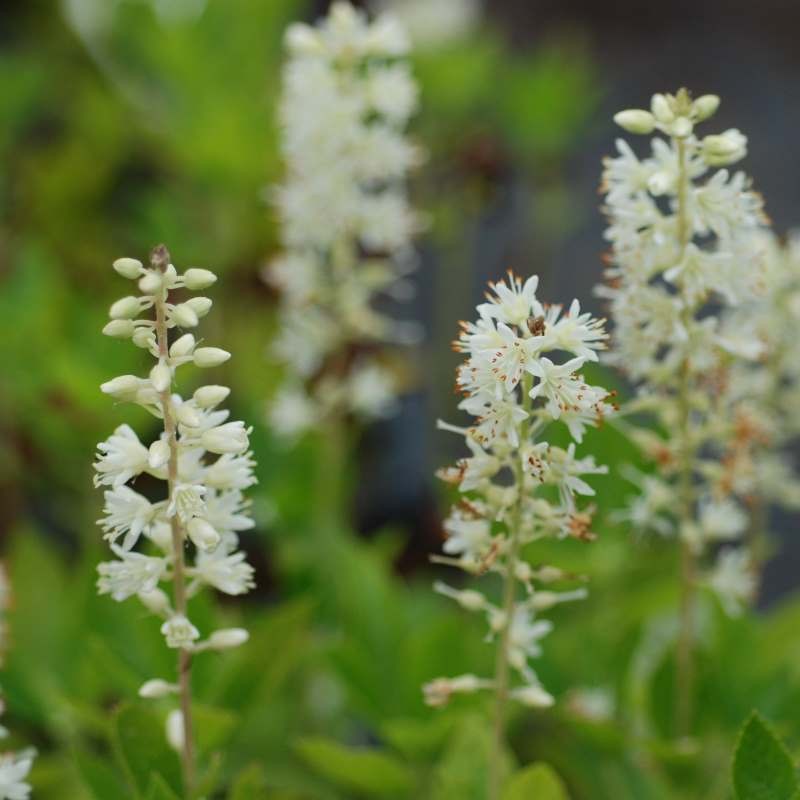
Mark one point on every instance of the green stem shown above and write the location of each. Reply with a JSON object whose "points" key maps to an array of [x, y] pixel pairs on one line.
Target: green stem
{"points": [[160, 260]]}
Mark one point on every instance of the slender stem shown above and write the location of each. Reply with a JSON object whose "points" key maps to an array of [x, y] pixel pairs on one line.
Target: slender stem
{"points": [[684, 666], [501, 672], [160, 260]]}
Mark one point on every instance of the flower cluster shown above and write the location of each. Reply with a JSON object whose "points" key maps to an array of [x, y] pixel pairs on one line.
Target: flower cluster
{"points": [[431, 25], [201, 456], [687, 242], [517, 488], [345, 218], [14, 766]]}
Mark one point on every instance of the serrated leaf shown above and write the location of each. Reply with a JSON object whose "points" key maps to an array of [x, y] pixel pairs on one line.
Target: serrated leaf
{"points": [[538, 781], [368, 771], [762, 767], [249, 784]]}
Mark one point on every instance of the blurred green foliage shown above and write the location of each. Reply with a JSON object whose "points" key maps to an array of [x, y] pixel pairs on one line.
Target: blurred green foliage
{"points": [[116, 137]]}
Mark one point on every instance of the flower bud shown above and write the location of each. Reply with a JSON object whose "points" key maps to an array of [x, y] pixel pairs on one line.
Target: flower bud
{"points": [[119, 328], [210, 396], [128, 267], [725, 148], [232, 437], [188, 416], [161, 377], [155, 601], [144, 338], [532, 696], [126, 308], [200, 305], [194, 278], [661, 109], [203, 534], [681, 127], [183, 316], [123, 387], [227, 638], [170, 276], [182, 346], [705, 106], [174, 730], [659, 183], [179, 632], [156, 688], [158, 454], [302, 39], [210, 356], [150, 283], [635, 120]]}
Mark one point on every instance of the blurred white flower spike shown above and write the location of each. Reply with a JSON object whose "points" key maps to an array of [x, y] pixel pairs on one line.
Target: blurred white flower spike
{"points": [[517, 488], [203, 459], [346, 223], [687, 245]]}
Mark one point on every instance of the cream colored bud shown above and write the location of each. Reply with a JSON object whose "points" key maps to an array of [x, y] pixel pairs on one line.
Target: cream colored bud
{"points": [[158, 454], [231, 437], [156, 688], [161, 377], [725, 148], [144, 337], [170, 276], [184, 316], [126, 308], [471, 600], [523, 571], [200, 305], [302, 39], [119, 328], [681, 127], [182, 346], [533, 696], [123, 387], [150, 283], [194, 278], [705, 106], [635, 120], [210, 396], [188, 416], [210, 356], [228, 638], [174, 730], [203, 534], [661, 109], [497, 620], [156, 601], [128, 267]]}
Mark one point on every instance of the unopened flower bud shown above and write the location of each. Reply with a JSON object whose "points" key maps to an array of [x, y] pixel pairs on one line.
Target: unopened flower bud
{"points": [[661, 109], [123, 387], [144, 338], [532, 696], [635, 120], [203, 534], [155, 601], [194, 278], [179, 632], [183, 316], [150, 283], [125, 308], [210, 356], [210, 396], [182, 346], [128, 267], [231, 437], [156, 688], [200, 305], [158, 454], [174, 730], [161, 377], [705, 106], [725, 148], [188, 416], [681, 127], [119, 328], [228, 638]]}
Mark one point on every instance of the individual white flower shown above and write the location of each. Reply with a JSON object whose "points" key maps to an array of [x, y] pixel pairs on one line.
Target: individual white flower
{"points": [[722, 520], [231, 437], [14, 769], [524, 635], [733, 579], [120, 458], [179, 632], [514, 302], [559, 385], [231, 471], [229, 573], [127, 514], [130, 574], [292, 412], [187, 501]]}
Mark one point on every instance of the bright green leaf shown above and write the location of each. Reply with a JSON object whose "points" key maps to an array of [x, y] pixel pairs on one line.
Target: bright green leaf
{"points": [[366, 771], [762, 767], [249, 784], [539, 781], [159, 789]]}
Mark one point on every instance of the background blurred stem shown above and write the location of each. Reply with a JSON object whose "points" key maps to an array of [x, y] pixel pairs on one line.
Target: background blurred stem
{"points": [[160, 259]]}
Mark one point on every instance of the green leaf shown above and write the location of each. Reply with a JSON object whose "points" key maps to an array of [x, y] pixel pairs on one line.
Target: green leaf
{"points": [[142, 746], [213, 727], [762, 767], [159, 789], [100, 779], [538, 781], [367, 771], [249, 784]]}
